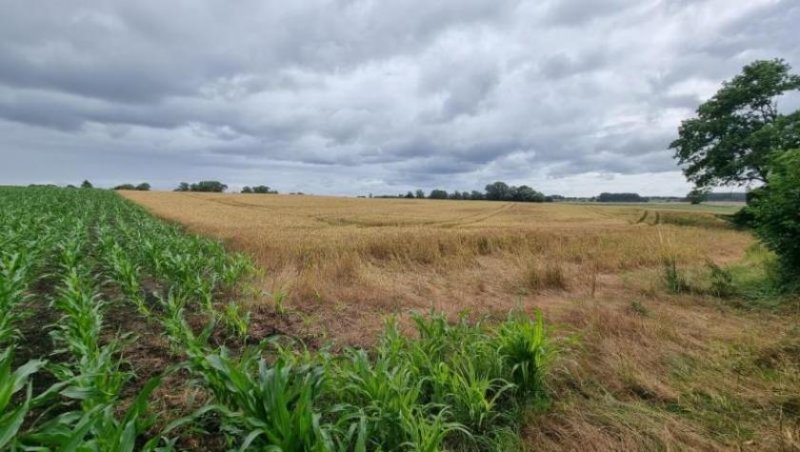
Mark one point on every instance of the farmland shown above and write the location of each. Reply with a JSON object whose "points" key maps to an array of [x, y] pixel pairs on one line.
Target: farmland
{"points": [[321, 323], [644, 363], [116, 334]]}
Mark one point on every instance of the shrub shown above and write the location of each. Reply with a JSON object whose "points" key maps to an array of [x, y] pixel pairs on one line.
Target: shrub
{"points": [[776, 211]]}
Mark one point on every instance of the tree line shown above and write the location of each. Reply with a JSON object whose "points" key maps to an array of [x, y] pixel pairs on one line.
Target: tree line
{"points": [[497, 191], [213, 186]]}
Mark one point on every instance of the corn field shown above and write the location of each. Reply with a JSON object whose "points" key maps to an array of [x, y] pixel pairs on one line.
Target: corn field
{"points": [[69, 257]]}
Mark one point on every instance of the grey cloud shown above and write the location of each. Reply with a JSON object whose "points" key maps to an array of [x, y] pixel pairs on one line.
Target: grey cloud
{"points": [[354, 95]]}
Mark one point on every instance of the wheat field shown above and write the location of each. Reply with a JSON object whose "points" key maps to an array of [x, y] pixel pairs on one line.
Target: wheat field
{"points": [[643, 366], [365, 258]]}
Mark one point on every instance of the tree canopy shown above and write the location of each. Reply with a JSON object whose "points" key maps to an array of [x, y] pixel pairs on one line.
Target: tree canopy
{"points": [[736, 132]]}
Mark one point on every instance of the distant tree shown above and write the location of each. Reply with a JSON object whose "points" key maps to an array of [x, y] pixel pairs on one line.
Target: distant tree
{"points": [[498, 191], [86, 184], [263, 189], [144, 186], [247, 189], [183, 186], [208, 186], [438, 194], [454, 195], [727, 196], [125, 187], [738, 131], [697, 195], [476, 195], [620, 197], [410, 195], [420, 194], [523, 193]]}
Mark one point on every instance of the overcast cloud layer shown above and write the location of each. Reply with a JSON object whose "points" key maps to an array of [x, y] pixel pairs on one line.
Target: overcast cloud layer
{"points": [[351, 97]]}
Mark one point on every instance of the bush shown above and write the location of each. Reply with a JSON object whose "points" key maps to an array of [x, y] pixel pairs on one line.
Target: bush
{"points": [[776, 211]]}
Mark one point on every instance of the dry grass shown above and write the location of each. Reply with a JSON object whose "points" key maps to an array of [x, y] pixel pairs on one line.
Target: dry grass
{"points": [[647, 369]]}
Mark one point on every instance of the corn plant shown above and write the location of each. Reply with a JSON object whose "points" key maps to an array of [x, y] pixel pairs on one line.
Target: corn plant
{"points": [[268, 405], [14, 280], [99, 429], [11, 382], [235, 320]]}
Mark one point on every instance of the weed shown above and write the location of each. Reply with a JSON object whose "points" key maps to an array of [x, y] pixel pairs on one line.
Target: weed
{"points": [[674, 278], [721, 281]]}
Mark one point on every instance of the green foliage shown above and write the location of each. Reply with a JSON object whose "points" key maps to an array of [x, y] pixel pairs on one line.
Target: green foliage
{"points": [[86, 184], [736, 132], [777, 214]]}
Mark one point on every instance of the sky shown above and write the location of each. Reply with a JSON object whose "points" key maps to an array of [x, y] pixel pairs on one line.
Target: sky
{"points": [[351, 97]]}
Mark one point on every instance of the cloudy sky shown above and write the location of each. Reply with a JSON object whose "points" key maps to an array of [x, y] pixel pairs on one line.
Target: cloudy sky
{"points": [[358, 96]]}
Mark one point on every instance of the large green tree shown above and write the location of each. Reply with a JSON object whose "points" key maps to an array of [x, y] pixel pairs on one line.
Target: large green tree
{"points": [[777, 214], [738, 131]]}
